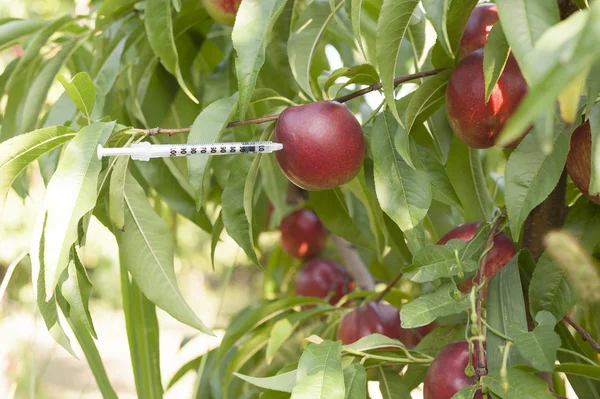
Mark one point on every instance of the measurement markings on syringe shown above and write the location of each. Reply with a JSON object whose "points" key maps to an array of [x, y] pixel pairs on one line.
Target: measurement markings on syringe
{"points": [[178, 150]]}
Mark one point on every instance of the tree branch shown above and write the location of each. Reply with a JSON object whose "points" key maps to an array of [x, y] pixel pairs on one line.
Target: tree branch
{"points": [[583, 332], [347, 97], [481, 370], [354, 264], [159, 130], [388, 288]]}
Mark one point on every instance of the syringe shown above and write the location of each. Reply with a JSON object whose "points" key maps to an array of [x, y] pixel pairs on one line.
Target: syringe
{"points": [[144, 151]]}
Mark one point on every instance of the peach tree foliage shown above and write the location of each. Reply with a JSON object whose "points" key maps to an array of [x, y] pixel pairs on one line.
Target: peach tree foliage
{"points": [[134, 65]]}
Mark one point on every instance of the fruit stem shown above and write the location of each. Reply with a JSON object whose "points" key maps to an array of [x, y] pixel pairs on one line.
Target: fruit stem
{"points": [[583, 332], [388, 288], [481, 370], [347, 97], [354, 264]]}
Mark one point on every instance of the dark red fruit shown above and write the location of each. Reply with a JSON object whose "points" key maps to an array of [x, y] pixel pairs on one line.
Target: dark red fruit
{"points": [[373, 318], [501, 253], [579, 160], [446, 375], [323, 145], [222, 11], [476, 122], [302, 234], [478, 28], [319, 277]]}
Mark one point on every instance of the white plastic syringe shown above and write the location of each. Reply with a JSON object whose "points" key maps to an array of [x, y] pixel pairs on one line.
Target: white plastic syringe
{"points": [[144, 151]]}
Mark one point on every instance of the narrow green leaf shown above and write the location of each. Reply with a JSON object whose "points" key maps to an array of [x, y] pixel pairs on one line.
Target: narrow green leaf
{"points": [[207, 128], [105, 78], [441, 133], [275, 186], [391, 27], [428, 307], [9, 273], [582, 370], [391, 384], [374, 341], [146, 249], [82, 92], [400, 190], [538, 346], [12, 31], [524, 22], [437, 13], [355, 16], [159, 29], [549, 289], [531, 175], [77, 175], [36, 95], [319, 374], [467, 392], [215, 236], [427, 98], [304, 38], [116, 203], [77, 290], [355, 381], [593, 86], [594, 120], [441, 188], [505, 307], [234, 199], [280, 382], [143, 337], [466, 175], [520, 385], [20, 151], [495, 55], [440, 261], [583, 387], [250, 38], [359, 74]]}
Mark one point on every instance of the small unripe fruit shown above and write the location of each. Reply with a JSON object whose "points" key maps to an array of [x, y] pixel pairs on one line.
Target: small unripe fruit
{"points": [[222, 11], [500, 254], [579, 160], [480, 23], [474, 121], [446, 374], [323, 145], [302, 234], [320, 277]]}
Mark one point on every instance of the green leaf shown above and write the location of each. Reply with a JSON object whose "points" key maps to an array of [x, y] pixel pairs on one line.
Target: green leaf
{"points": [[9, 273], [280, 382], [441, 133], [400, 190], [174, 189], [428, 307], [275, 186], [216, 234], [466, 175], [77, 290], [531, 175], [593, 86], [440, 261], [360, 74], [576, 37], [520, 385], [391, 384], [524, 22], [495, 55], [355, 7], [20, 151], [538, 346], [12, 31], [594, 120], [441, 188], [355, 381], [250, 38], [304, 39], [159, 29], [82, 92], [236, 198], [437, 14], [505, 307], [467, 392], [36, 95], [392, 25], [208, 128], [77, 175], [333, 211], [427, 98], [549, 289], [374, 341], [105, 78], [583, 370], [320, 373], [116, 203], [146, 249], [142, 335]]}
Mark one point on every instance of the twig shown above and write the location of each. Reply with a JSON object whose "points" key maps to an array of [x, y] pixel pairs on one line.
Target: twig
{"points": [[583, 332], [481, 370], [354, 263], [388, 288], [160, 130], [347, 97]]}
